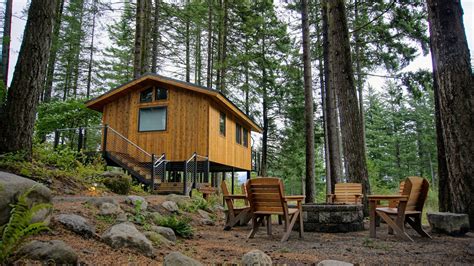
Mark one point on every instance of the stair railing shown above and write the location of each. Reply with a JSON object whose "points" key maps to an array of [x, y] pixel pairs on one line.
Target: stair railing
{"points": [[191, 167]]}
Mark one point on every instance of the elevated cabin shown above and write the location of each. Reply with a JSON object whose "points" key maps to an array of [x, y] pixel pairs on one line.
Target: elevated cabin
{"points": [[172, 121]]}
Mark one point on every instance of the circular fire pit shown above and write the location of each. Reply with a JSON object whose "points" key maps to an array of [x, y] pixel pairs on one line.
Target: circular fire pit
{"points": [[332, 218]]}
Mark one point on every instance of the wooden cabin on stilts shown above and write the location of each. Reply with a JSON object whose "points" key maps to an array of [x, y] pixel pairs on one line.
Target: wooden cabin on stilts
{"points": [[170, 134]]}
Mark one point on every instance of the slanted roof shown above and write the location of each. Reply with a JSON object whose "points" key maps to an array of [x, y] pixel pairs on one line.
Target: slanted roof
{"points": [[99, 102]]}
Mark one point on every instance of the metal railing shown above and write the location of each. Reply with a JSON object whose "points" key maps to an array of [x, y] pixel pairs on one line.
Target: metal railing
{"points": [[195, 165], [159, 167]]}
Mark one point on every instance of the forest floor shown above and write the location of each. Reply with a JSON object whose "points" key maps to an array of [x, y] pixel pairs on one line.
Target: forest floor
{"points": [[213, 245]]}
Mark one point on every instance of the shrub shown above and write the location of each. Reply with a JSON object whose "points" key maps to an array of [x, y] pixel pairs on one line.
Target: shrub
{"points": [[196, 204], [119, 185], [180, 225], [19, 226]]}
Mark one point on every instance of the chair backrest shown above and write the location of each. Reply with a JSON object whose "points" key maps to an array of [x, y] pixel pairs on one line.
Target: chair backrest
{"points": [[417, 190], [345, 192], [265, 195], [225, 192]]}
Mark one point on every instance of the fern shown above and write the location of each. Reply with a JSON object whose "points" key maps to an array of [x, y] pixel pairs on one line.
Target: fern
{"points": [[19, 226]]}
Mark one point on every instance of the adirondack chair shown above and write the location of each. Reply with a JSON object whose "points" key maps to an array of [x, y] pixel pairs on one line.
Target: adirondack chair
{"points": [[266, 198], [235, 215], [408, 210], [349, 193]]}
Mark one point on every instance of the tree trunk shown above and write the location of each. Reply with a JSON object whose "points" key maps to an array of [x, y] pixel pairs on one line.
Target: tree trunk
{"points": [[308, 105], [156, 36], [209, 45], [91, 52], [334, 151], [451, 63], [188, 45], [7, 25], [18, 116], [342, 78], [142, 40], [263, 168], [48, 87], [223, 63]]}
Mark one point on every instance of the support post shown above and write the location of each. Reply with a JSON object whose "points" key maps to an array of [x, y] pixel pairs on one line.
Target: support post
{"points": [[56, 139], [152, 183], [104, 143], [195, 170], [233, 177], [79, 140], [248, 175], [185, 176]]}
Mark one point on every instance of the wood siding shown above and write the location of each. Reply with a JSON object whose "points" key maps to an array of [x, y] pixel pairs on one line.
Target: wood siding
{"points": [[225, 149]]}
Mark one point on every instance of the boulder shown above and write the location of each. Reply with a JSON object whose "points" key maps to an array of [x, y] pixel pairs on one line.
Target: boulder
{"points": [[109, 209], [157, 239], [49, 251], [97, 202], [178, 259], [167, 232], [121, 218], [334, 263], [453, 224], [77, 224], [470, 249], [127, 235], [207, 222], [178, 199], [256, 257], [170, 206], [133, 200], [11, 186], [204, 214]]}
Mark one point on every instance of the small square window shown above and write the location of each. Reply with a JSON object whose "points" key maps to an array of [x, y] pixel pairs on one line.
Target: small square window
{"points": [[246, 137], [238, 133], [222, 123], [146, 96], [161, 94]]}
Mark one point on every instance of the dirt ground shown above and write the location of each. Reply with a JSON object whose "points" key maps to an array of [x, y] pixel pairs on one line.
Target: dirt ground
{"points": [[213, 245]]}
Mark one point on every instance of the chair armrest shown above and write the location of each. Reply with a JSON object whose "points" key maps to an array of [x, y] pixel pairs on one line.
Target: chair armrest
{"points": [[235, 197], [295, 198]]}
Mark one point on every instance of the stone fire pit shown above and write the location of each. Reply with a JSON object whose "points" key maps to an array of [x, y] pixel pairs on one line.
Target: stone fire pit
{"points": [[332, 218]]}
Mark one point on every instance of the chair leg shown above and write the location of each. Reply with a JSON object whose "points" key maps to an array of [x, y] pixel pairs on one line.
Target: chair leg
{"points": [[390, 230], [300, 217], [416, 224], [255, 224], [280, 220], [293, 219], [269, 225], [391, 223]]}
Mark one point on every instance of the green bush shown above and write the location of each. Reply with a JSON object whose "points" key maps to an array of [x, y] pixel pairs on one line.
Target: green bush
{"points": [[19, 226], [180, 225], [197, 204], [119, 185]]}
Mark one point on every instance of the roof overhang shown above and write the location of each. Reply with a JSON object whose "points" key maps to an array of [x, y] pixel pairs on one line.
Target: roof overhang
{"points": [[99, 102]]}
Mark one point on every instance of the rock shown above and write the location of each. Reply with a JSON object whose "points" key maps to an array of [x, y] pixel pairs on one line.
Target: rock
{"points": [[178, 259], [109, 209], [127, 235], [111, 174], [133, 200], [454, 224], [11, 186], [256, 257], [77, 224], [97, 202], [167, 232], [157, 239], [170, 206], [121, 218], [205, 214], [49, 251], [470, 248], [334, 263], [207, 222], [178, 199]]}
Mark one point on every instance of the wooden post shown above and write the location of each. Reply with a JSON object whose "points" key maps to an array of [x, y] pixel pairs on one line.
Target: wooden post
{"points": [[104, 144], [79, 140], [233, 176], [56, 139], [184, 178], [248, 175], [152, 183]]}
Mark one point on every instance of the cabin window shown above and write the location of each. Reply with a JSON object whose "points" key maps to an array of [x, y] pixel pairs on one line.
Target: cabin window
{"points": [[238, 133], [246, 137], [161, 94], [146, 96], [152, 119], [222, 123]]}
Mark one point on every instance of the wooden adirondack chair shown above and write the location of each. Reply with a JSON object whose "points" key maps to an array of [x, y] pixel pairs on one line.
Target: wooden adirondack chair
{"points": [[235, 215], [349, 193], [266, 198], [409, 208]]}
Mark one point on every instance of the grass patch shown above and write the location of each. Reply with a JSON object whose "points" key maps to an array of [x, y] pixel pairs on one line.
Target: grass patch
{"points": [[179, 224]]}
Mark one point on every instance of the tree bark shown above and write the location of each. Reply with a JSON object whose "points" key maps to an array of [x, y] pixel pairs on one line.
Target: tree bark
{"points": [[342, 78], [156, 36], [209, 45], [223, 63], [308, 106], [91, 52], [455, 93], [359, 81], [188, 44], [334, 151], [18, 116], [7, 25], [142, 40]]}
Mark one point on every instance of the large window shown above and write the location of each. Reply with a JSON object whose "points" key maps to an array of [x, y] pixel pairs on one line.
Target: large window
{"points": [[238, 133], [146, 96], [152, 119], [246, 137], [222, 123], [161, 93]]}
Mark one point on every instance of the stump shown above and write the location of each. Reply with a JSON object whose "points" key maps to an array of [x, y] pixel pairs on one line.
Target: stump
{"points": [[453, 224]]}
